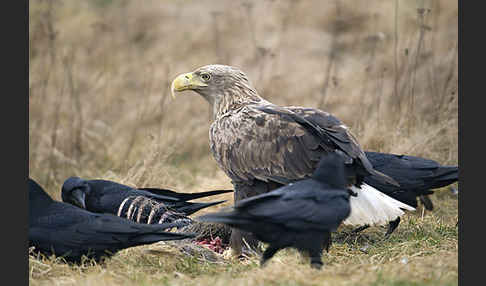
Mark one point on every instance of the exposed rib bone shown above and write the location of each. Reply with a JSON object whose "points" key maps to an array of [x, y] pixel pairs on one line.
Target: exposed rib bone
{"points": [[130, 211], [122, 205]]}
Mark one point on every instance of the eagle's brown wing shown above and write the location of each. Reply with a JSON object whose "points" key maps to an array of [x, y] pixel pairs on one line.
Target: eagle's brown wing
{"points": [[272, 143], [318, 119], [250, 144]]}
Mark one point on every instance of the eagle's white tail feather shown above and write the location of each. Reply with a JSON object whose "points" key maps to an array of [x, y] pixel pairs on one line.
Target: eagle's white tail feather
{"points": [[373, 207]]}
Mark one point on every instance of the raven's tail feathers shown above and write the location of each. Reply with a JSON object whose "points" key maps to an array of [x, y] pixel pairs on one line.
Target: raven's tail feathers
{"points": [[194, 207], [444, 176], [184, 196], [163, 236]]}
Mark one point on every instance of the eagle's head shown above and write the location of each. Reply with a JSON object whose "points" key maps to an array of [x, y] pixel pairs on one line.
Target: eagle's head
{"points": [[224, 87]]}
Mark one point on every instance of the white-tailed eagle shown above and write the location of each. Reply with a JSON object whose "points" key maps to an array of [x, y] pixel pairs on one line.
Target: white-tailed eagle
{"points": [[262, 146]]}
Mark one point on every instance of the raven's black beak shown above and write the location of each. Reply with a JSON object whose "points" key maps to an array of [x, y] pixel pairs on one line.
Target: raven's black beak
{"points": [[78, 198]]}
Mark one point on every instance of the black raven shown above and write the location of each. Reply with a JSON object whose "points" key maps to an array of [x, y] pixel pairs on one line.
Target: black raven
{"points": [[156, 205], [299, 215], [71, 232], [415, 175]]}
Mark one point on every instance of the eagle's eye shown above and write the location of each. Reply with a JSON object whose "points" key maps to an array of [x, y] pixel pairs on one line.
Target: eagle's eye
{"points": [[205, 76]]}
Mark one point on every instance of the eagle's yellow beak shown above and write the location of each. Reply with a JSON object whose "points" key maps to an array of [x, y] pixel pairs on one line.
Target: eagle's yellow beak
{"points": [[185, 81]]}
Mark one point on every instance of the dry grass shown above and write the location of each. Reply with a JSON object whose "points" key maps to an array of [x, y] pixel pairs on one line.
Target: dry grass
{"points": [[99, 108]]}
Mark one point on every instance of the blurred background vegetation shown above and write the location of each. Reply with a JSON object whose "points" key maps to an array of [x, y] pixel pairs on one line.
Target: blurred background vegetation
{"points": [[99, 75], [99, 107]]}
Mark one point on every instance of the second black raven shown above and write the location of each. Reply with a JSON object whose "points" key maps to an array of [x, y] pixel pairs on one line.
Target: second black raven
{"points": [[416, 176], [156, 205], [71, 232], [301, 215]]}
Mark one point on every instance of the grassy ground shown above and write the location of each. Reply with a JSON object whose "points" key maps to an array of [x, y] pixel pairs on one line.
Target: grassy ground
{"points": [[99, 73]]}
